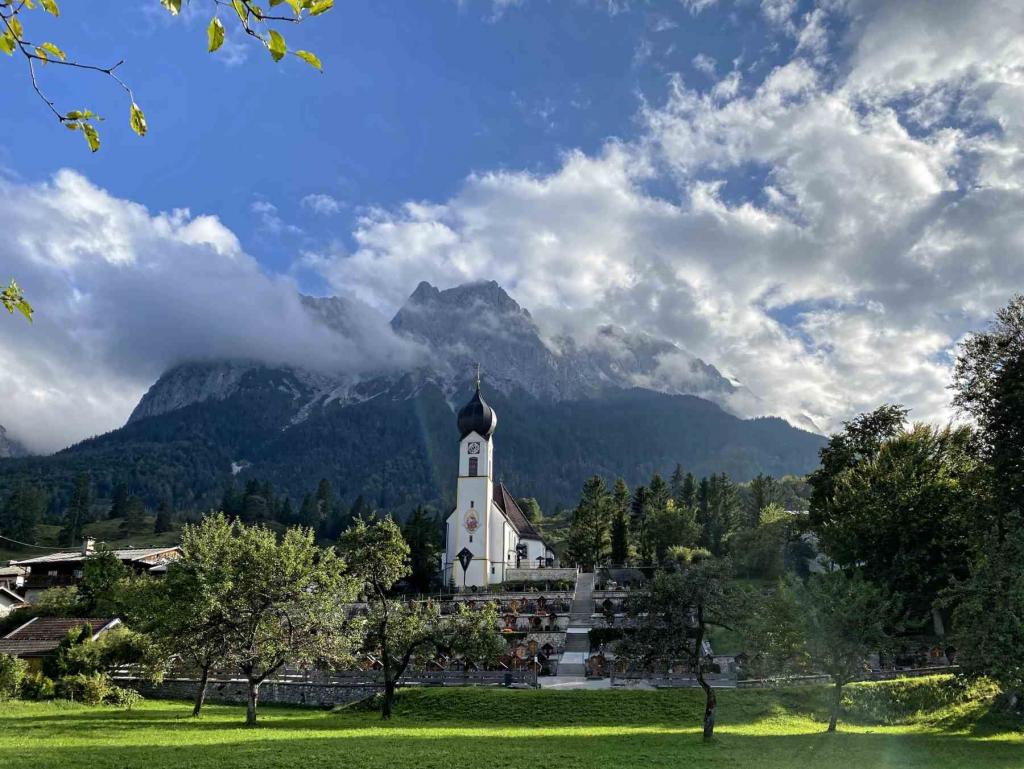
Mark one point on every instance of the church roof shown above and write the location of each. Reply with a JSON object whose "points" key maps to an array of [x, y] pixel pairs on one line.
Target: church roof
{"points": [[510, 508], [476, 416]]}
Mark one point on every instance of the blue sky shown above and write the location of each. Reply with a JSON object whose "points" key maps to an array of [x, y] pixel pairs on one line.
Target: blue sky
{"points": [[416, 95], [818, 197]]}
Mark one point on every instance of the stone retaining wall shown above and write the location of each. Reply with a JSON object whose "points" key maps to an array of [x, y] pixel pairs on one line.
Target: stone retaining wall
{"points": [[277, 692], [539, 575]]}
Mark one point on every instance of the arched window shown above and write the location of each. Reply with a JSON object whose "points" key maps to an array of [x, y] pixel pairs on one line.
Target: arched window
{"points": [[473, 465]]}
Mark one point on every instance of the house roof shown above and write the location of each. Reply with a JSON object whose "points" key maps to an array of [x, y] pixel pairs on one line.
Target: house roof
{"points": [[13, 598], [13, 571], [144, 554], [510, 508], [41, 635]]}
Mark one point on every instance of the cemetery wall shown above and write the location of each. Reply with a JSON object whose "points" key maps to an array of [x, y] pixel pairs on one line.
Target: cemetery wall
{"points": [[539, 575], [276, 692]]}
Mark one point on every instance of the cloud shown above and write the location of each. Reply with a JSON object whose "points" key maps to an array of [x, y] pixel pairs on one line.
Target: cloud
{"points": [[323, 204], [121, 294], [838, 224], [270, 220]]}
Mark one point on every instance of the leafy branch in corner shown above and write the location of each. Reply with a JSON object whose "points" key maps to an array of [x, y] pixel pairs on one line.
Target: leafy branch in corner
{"points": [[13, 299], [252, 18]]}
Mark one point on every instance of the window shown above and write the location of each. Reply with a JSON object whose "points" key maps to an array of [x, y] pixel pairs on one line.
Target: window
{"points": [[473, 465], [492, 570]]}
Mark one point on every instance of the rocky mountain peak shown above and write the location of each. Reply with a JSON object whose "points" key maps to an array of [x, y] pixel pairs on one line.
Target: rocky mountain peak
{"points": [[10, 447]]}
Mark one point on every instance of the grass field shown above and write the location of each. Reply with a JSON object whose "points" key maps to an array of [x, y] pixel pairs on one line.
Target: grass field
{"points": [[457, 728]]}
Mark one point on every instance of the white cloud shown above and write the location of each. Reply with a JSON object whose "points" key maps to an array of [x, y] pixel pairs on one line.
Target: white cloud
{"points": [[323, 204], [704, 63], [871, 240], [121, 294]]}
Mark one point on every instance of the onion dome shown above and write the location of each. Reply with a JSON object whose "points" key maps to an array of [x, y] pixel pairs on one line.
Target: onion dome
{"points": [[477, 417]]}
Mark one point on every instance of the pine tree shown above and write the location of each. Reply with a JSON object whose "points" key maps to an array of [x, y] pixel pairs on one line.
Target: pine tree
{"points": [[424, 538], [763, 492], [21, 515], [287, 514], [677, 483], [638, 522], [135, 516], [164, 518], [78, 511], [309, 513], [620, 523], [689, 495], [118, 501], [324, 498], [589, 534]]}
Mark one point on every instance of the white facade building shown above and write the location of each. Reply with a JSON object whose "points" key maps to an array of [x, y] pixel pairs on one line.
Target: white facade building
{"points": [[487, 523]]}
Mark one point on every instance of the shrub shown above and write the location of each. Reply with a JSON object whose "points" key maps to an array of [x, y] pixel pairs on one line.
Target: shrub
{"points": [[123, 698], [36, 686], [12, 671], [90, 689], [890, 702]]}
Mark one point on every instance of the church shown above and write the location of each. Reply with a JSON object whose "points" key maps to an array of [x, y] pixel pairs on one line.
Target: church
{"points": [[487, 536]]}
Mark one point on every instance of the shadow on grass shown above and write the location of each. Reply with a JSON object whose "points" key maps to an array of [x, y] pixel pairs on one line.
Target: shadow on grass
{"points": [[430, 748]]}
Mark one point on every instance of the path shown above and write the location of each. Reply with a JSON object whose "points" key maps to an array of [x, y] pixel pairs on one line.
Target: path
{"points": [[572, 666]]}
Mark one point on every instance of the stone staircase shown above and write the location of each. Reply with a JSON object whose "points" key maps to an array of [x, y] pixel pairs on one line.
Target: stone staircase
{"points": [[577, 636]]}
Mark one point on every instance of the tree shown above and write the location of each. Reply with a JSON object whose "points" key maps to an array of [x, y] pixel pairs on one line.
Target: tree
{"points": [[531, 509], [119, 501], [989, 386], [309, 513], [761, 551], [285, 602], [670, 527], [135, 516], [423, 533], [620, 523], [902, 508], [763, 492], [251, 19], [718, 504], [845, 618], [164, 518], [378, 556], [100, 586], [21, 515], [673, 617], [186, 612], [78, 512], [589, 540], [639, 509]]}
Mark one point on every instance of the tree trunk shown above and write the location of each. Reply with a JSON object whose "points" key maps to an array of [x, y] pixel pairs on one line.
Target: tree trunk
{"points": [[389, 697], [837, 701], [710, 706], [201, 691], [254, 696]]}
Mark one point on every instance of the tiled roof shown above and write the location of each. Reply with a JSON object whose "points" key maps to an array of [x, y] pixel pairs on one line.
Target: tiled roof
{"points": [[13, 571], [42, 634], [510, 508], [132, 554]]}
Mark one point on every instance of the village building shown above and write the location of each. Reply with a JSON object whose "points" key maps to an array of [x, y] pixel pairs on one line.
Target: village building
{"points": [[9, 601], [38, 638], [64, 569], [488, 538], [13, 577]]}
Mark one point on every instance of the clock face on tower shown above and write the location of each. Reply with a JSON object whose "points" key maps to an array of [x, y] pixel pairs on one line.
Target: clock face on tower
{"points": [[473, 447]]}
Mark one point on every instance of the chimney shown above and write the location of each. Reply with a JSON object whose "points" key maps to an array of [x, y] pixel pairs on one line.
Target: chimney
{"points": [[88, 545]]}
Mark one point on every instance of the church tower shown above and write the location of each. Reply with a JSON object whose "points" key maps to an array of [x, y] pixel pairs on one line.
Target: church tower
{"points": [[470, 527]]}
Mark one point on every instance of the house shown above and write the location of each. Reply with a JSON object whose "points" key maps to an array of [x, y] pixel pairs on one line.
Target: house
{"points": [[64, 569], [13, 577], [39, 637], [9, 601], [487, 534]]}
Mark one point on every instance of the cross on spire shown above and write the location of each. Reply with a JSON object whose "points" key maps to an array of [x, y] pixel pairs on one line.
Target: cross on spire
{"points": [[477, 376]]}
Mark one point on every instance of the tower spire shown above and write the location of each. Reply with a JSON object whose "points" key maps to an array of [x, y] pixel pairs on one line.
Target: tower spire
{"points": [[478, 377]]}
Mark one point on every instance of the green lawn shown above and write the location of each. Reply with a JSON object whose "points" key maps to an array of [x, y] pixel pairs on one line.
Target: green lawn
{"points": [[456, 728]]}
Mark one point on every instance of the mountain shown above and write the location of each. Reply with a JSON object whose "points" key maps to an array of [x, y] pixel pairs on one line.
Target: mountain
{"points": [[615, 403], [10, 447]]}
